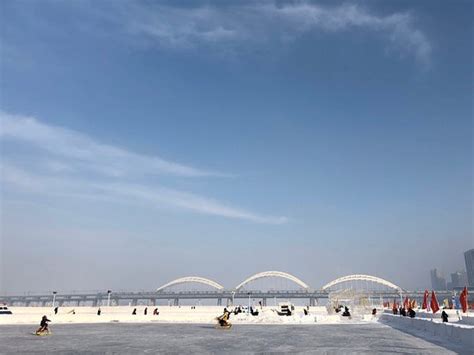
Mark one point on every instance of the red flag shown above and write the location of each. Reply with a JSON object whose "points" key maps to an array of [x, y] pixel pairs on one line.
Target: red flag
{"points": [[406, 303], [434, 302], [425, 300], [463, 300]]}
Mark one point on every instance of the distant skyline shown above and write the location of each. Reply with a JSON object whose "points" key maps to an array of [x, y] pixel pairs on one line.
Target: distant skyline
{"points": [[143, 141]]}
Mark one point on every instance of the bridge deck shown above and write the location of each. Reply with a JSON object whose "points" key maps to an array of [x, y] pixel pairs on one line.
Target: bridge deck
{"points": [[218, 295]]}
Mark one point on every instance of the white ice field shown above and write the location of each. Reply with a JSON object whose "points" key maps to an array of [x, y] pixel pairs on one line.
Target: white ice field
{"points": [[186, 329]]}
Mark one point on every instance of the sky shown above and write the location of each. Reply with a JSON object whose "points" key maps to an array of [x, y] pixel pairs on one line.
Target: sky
{"points": [[143, 141]]}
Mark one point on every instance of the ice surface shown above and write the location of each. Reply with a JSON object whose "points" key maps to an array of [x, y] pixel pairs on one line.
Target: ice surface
{"points": [[196, 338]]}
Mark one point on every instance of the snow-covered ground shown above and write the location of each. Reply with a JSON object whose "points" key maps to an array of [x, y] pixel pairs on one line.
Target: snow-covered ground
{"points": [[456, 335], [453, 332], [184, 314]]}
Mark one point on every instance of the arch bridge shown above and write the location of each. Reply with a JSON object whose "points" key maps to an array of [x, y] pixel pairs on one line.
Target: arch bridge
{"points": [[191, 279], [218, 291], [267, 274], [361, 277]]}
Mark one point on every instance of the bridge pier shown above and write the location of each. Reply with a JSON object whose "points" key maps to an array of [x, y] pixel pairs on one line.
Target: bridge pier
{"points": [[264, 301], [313, 302], [176, 302], [153, 302], [219, 301]]}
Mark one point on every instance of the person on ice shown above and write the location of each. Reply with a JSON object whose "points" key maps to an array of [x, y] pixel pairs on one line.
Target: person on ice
{"points": [[411, 313], [43, 325], [444, 317], [224, 318]]}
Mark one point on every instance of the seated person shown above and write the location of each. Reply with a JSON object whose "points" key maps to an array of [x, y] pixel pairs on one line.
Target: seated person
{"points": [[224, 318], [346, 312]]}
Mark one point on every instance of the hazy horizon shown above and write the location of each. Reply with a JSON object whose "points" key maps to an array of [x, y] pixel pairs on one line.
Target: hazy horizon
{"points": [[146, 141]]}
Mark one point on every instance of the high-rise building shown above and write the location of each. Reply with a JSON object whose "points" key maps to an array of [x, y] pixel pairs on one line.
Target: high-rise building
{"points": [[469, 258], [438, 282], [458, 279]]}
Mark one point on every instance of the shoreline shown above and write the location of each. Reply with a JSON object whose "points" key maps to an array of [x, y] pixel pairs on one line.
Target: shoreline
{"points": [[174, 315], [205, 315]]}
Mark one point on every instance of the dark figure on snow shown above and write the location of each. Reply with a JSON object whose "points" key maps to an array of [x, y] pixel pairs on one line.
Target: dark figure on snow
{"points": [[145, 311], [253, 312], [395, 310], [56, 310], [374, 311], [99, 312], [403, 312], [134, 312], [444, 317], [411, 313], [346, 312], [155, 312]]}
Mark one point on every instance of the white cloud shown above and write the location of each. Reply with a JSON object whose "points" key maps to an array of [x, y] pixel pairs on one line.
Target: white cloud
{"points": [[88, 153], [184, 27], [62, 159]]}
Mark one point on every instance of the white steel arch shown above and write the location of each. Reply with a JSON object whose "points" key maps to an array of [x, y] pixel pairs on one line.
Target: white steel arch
{"points": [[188, 279], [362, 278], [272, 274]]}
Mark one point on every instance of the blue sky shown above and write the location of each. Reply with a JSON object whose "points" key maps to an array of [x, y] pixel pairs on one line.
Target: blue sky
{"points": [[159, 139]]}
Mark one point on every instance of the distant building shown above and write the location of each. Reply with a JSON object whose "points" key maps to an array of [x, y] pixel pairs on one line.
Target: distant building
{"points": [[469, 258], [438, 282], [458, 279]]}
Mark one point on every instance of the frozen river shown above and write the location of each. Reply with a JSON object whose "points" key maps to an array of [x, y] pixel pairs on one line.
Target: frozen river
{"points": [[150, 338]]}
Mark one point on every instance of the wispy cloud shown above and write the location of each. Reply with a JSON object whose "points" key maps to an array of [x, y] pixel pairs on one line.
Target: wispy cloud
{"points": [[186, 27], [400, 28], [86, 153], [61, 161]]}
